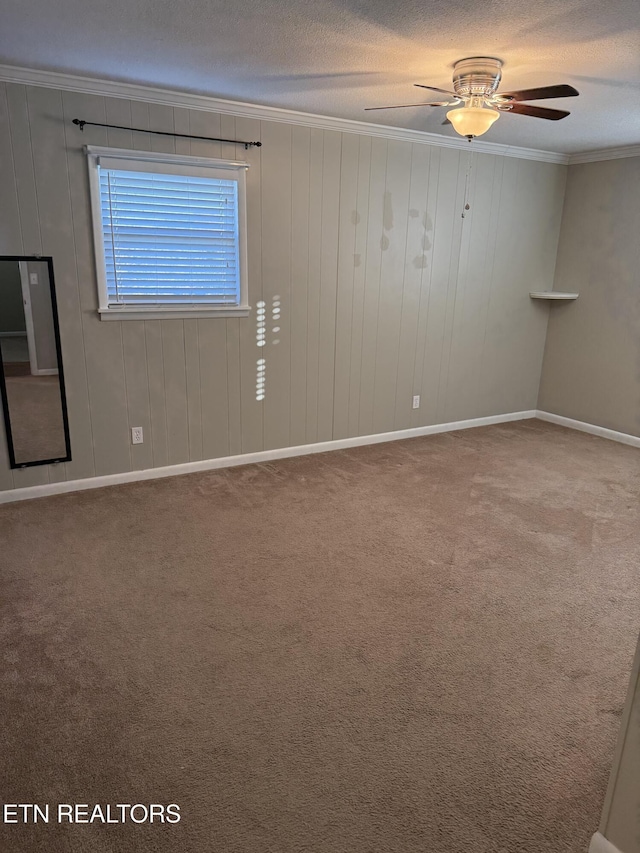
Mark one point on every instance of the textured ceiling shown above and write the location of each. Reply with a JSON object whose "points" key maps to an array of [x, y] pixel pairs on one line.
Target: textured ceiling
{"points": [[335, 57]]}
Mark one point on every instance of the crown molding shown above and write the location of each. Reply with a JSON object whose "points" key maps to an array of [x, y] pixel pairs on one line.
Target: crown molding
{"points": [[169, 97], [605, 154]]}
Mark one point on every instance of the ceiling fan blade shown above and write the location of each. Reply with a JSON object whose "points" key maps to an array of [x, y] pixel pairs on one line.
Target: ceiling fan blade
{"points": [[537, 112], [540, 93], [400, 106], [435, 89]]}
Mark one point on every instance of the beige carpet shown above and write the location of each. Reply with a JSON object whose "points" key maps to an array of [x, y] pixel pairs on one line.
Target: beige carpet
{"points": [[419, 646]]}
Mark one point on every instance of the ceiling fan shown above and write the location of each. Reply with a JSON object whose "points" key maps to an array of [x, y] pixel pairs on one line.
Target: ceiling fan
{"points": [[475, 81]]}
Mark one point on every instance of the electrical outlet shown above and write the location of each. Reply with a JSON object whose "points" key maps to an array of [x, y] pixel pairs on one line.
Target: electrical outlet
{"points": [[416, 401], [136, 435], [33, 278]]}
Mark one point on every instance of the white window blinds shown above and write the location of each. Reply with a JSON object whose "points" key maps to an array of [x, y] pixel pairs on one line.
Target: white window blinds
{"points": [[169, 239]]}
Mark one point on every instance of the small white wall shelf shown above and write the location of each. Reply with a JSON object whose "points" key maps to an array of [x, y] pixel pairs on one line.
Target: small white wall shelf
{"points": [[552, 294]]}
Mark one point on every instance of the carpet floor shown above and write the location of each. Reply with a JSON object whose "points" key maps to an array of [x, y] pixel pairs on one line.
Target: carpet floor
{"points": [[417, 646], [37, 424]]}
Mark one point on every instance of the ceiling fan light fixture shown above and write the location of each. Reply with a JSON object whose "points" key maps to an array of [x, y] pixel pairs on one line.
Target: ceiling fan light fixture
{"points": [[472, 121]]}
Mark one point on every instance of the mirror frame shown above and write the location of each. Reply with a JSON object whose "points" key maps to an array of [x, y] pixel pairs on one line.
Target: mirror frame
{"points": [[63, 396]]}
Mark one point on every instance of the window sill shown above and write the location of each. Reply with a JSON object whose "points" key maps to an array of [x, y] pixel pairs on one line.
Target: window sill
{"points": [[177, 312]]}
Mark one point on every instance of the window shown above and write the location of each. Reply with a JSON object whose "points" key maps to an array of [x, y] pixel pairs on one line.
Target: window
{"points": [[169, 233]]}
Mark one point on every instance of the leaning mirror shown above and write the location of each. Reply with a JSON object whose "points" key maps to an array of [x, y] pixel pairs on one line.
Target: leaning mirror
{"points": [[31, 377]]}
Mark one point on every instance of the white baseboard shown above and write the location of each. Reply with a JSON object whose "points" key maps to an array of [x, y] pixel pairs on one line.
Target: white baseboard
{"points": [[599, 844], [592, 429], [248, 458]]}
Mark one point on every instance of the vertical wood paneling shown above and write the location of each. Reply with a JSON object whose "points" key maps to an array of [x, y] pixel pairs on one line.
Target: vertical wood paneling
{"points": [[118, 111], [212, 333], [27, 164], [444, 271], [161, 118], [10, 239], [251, 409], [11, 234], [300, 177], [384, 290], [194, 396], [234, 377], [394, 244], [421, 384], [469, 322], [276, 279], [359, 280], [417, 262], [137, 387], [373, 261], [175, 390], [20, 130], [70, 315], [492, 216], [212, 344], [314, 280], [348, 222], [328, 280], [234, 422], [103, 349], [25, 183], [456, 188], [56, 223], [157, 404], [181, 124], [134, 342], [172, 331], [140, 120], [499, 349]]}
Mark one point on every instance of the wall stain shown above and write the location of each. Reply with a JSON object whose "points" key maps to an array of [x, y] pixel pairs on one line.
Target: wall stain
{"points": [[384, 243], [420, 262], [387, 212], [427, 222], [355, 217], [426, 243], [413, 212]]}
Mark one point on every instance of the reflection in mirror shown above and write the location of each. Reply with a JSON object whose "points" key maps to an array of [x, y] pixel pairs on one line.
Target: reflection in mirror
{"points": [[31, 378]]}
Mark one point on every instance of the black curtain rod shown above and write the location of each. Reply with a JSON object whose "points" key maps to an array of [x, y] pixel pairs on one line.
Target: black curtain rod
{"points": [[81, 123]]}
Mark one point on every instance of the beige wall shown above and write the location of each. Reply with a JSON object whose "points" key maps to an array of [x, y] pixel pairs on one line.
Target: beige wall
{"points": [[385, 290], [591, 366], [620, 822], [591, 372]]}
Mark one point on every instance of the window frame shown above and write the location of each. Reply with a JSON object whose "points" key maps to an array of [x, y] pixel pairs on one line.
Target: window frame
{"points": [[176, 310]]}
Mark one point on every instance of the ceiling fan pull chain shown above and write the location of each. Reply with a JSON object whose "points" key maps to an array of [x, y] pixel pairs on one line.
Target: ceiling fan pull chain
{"points": [[467, 179]]}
